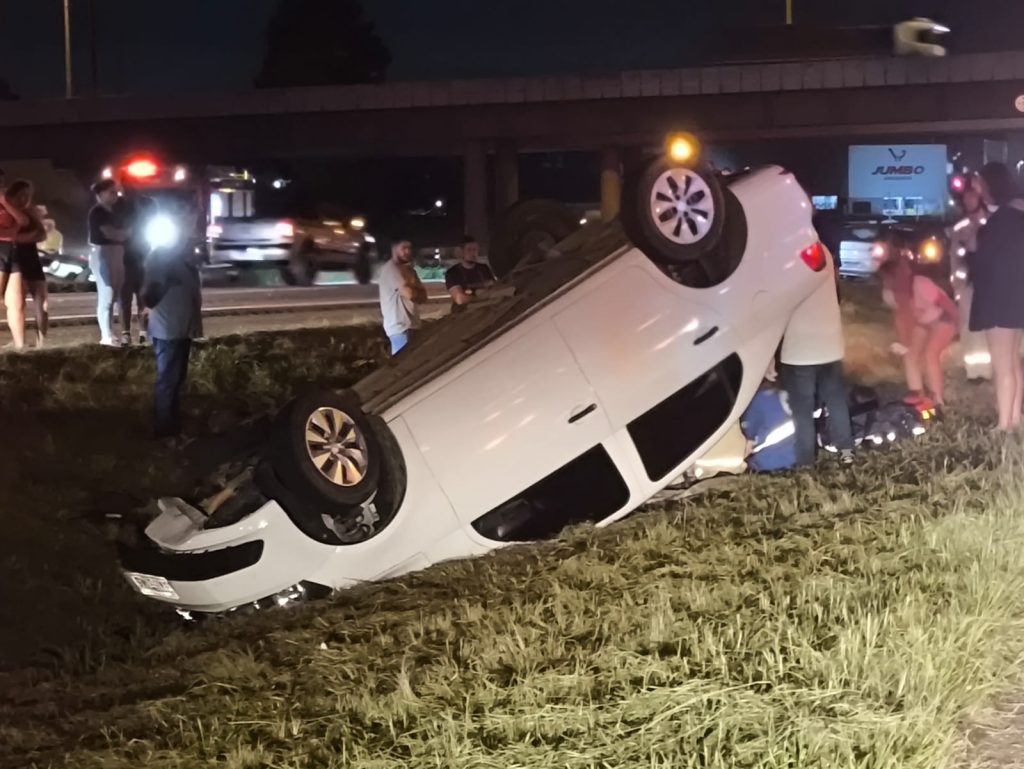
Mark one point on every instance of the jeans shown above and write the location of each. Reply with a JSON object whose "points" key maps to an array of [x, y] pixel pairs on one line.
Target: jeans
{"points": [[171, 372], [807, 387], [107, 265], [398, 341]]}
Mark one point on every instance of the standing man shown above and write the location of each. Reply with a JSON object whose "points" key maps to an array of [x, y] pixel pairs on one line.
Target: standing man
{"points": [[468, 276], [812, 371], [401, 294], [107, 236], [172, 295]]}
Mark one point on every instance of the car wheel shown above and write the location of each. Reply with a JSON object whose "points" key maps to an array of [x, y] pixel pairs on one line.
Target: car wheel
{"points": [[528, 232], [363, 271], [301, 266], [287, 276], [674, 213], [325, 450]]}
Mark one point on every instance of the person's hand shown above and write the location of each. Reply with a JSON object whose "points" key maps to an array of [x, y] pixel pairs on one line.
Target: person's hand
{"points": [[771, 374]]}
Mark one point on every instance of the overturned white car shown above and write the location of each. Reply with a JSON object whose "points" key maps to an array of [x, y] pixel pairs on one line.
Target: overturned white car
{"points": [[606, 362]]}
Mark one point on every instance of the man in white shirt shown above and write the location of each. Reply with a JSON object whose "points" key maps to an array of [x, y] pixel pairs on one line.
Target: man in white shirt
{"points": [[401, 293], [812, 371]]}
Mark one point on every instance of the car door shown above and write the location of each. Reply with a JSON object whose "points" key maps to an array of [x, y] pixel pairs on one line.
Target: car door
{"points": [[512, 415], [653, 351]]}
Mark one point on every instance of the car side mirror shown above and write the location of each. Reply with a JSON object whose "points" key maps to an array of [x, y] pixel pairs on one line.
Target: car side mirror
{"points": [[918, 37]]}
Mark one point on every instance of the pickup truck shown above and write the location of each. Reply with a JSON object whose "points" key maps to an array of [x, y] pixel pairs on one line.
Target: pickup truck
{"points": [[298, 248]]}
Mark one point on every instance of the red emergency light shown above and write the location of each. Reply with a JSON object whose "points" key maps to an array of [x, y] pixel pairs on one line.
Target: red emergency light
{"points": [[141, 168]]}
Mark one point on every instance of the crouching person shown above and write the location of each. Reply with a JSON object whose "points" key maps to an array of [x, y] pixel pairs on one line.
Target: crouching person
{"points": [[172, 295], [768, 427]]}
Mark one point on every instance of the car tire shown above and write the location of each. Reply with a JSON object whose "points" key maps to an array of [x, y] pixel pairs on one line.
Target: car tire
{"points": [[673, 212], [326, 451], [287, 276], [301, 266], [363, 270], [528, 232]]}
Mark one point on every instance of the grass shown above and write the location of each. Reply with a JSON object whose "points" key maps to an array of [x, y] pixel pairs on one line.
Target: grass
{"points": [[840, 619]]}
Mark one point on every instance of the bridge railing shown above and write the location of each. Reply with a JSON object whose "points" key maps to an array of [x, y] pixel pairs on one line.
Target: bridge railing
{"points": [[724, 79]]}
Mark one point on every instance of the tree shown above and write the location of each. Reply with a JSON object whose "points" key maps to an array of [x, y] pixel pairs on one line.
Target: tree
{"points": [[321, 42]]}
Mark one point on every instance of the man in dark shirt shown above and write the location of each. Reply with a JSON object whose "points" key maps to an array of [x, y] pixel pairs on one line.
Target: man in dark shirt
{"points": [[107, 236], [468, 276]]}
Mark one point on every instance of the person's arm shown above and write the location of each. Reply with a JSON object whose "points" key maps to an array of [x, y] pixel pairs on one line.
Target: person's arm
{"points": [[412, 287], [948, 306], [459, 295], [35, 235], [20, 217]]}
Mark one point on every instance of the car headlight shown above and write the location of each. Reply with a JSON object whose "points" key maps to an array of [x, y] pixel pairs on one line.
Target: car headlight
{"points": [[161, 231]]}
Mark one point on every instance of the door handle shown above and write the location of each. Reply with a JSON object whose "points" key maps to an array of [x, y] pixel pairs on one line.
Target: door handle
{"points": [[577, 416], [705, 336]]}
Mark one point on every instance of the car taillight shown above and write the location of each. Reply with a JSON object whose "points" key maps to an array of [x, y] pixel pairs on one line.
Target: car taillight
{"points": [[214, 231], [814, 257], [285, 230]]}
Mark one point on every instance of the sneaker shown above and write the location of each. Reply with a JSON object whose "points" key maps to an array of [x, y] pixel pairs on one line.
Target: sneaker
{"points": [[142, 339], [846, 457], [110, 342], [126, 339]]}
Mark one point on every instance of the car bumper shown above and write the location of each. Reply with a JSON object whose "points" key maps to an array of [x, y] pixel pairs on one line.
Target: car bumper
{"points": [[250, 255], [212, 570]]}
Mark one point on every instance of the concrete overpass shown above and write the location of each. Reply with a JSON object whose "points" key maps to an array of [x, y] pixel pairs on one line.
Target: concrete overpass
{"points": [[865, 97]]}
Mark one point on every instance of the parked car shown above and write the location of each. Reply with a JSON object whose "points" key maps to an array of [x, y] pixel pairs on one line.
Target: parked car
{"points": [[601, 366], [865, 244]]}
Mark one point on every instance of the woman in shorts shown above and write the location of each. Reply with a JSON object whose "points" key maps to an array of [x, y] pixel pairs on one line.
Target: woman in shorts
{"points": [[21, 268]]}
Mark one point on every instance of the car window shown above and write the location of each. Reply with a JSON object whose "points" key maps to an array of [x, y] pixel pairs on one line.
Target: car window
{"points": [[588, 489], [674, 429]]}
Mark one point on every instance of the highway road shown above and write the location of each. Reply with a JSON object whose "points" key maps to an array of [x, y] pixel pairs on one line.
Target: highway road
{"points": [[74, 308]]}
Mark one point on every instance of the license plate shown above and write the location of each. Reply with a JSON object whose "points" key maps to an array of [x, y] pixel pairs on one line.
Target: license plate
{"points": [[156, 587]]}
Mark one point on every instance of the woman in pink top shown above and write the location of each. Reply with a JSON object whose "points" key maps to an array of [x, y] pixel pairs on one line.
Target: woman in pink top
{"points": [[927, 320]]}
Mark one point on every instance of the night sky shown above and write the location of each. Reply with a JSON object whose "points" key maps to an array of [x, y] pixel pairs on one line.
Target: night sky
{"points": [[166, 46]]}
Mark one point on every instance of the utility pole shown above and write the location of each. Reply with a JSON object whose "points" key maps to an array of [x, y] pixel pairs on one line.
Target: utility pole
{"points": [[68, 86], [93, 52]]}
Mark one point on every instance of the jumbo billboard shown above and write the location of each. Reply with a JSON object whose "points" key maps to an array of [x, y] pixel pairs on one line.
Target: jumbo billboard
{"points": [[892, 171]]}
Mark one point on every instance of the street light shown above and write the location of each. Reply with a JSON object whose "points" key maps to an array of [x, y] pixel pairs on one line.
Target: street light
{"points": [[789, 11]]}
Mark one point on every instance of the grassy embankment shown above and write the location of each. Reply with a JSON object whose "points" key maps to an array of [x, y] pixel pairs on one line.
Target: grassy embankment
{"points": [[848, 618]]}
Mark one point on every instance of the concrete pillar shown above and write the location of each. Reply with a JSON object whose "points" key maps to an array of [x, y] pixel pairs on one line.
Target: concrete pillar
{"points": [[474, 169], [611, 183], [506, 176]]}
